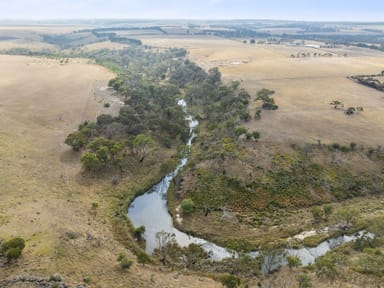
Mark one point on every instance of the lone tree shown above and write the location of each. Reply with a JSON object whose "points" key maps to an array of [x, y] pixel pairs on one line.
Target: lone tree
{"points": [[164, 241], [77, 140], [258, 114], [138, 233], [337, 104], [141, 146], [264, 95], [348, 217]]}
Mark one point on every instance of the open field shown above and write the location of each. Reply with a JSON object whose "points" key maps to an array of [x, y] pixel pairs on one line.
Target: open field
{"points": [[44, 198], [304, 88], [29, 37]]}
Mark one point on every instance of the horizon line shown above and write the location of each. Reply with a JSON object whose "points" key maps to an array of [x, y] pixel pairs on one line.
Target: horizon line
{"points": [[182, 19]]}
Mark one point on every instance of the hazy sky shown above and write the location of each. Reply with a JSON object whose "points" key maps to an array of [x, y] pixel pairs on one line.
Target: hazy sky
{"points": [[355, 10]]}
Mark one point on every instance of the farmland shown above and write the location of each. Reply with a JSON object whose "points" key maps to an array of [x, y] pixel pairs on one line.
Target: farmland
{"points": [[252, 180]]}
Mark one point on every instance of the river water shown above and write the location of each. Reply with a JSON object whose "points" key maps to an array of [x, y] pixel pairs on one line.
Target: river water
{"points": [[150, 210]]}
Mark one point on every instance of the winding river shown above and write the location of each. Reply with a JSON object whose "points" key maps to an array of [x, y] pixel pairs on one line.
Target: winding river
{"points": [[150, 210]]}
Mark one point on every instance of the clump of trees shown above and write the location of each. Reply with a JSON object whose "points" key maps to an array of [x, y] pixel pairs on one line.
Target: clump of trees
{"points": [[370, 80], [150, 82], [102, 153]]}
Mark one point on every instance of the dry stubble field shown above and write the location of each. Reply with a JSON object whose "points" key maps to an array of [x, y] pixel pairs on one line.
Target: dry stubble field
{"points": [[304, 88], [44, 197]]}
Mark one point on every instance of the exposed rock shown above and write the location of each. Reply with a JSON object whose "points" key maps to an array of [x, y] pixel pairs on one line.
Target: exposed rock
{"points": [[37, 281]]}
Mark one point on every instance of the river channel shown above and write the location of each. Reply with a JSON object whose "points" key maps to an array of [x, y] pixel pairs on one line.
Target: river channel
{"points": [[150, 210]]}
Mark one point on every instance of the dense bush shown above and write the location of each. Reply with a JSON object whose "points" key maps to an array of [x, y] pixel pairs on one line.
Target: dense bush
{"points": [[125, 263], [12, 249], [187, 206], [230, 281], [304, 281]]}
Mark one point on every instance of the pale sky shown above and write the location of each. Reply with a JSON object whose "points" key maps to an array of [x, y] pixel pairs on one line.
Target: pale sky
{"points": [[329, 10]]}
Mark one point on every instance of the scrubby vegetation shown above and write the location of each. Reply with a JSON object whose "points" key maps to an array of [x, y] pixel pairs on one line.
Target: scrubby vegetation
{"points": [[124, 262]]}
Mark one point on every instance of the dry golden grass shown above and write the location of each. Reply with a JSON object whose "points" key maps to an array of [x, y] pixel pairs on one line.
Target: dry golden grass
{"points": [[304, 88], [43, 195], [32, 45], [29, 37]]}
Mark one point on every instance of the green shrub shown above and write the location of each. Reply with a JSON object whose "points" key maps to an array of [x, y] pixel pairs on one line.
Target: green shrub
{"points": [[245, 116], [304, 281], [293, 261], [87, 279], [72, 235], [13, 243], [13, 253], [328, 210], [12, 249], [326, 266], [125, 263], [143, 258], [317, 214], [55, 278], [336, 146], [239, 130], [344, 148], [256, 135], [187, 206], [138, 233], [230, 281]]}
